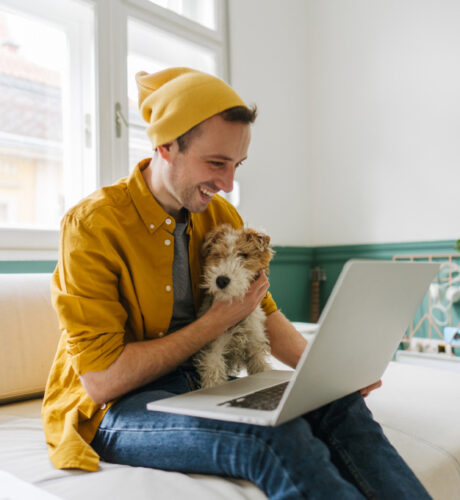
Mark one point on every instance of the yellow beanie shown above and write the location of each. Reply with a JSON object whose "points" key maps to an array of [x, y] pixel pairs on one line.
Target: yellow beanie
{"points": [[174, 100]]}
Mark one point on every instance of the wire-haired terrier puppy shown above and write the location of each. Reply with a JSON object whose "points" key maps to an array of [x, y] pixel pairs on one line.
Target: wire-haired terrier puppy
{"points": [[232, 260]]}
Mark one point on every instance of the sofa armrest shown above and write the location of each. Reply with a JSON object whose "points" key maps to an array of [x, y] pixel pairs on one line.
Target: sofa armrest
{"points": [[29, 335]]}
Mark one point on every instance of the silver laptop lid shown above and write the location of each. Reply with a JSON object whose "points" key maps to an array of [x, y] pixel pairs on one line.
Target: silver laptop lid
{"points": [[360, 328]]}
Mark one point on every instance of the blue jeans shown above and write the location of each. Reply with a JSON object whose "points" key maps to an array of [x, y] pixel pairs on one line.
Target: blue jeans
{"points": [[337, 451]]}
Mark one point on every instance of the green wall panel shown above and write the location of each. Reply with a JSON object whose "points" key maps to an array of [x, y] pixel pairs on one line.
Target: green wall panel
{"points": [[289, 281], [333, 258], [291, 267], [27, 266]]}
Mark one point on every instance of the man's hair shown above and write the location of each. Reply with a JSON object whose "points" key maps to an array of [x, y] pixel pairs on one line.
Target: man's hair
{"points": [[236, 114]]}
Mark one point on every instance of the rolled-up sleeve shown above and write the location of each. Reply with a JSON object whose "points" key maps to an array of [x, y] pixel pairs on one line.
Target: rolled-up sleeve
{"points": [[268, 304], [85, 295]]}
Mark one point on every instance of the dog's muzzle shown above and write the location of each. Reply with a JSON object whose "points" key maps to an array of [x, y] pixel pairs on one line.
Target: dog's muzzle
{"points": [[222, 281]]}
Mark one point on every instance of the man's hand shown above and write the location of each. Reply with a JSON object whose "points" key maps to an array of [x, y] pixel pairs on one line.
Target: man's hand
{"points": [[367, 390], [231, 313]]}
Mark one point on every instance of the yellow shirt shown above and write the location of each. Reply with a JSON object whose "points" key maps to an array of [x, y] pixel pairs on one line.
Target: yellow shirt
{"points": [[113, 284]]}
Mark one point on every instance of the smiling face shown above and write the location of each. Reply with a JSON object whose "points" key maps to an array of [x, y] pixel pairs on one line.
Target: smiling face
{"points": [[192, 177], [233, 259]]}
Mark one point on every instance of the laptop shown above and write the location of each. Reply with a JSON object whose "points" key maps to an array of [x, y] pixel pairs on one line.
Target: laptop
{"points": [[360, 328]]}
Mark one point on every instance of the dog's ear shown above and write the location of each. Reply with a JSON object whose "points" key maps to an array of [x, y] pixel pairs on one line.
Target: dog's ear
{"points": [[212, 237], [261, 240]]}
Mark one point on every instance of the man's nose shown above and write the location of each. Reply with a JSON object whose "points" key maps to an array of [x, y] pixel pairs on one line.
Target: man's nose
{"points": [[225, 181]]}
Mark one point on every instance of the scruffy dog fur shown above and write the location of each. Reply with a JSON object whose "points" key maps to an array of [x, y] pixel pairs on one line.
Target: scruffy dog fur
{"points": [[232, 260]]}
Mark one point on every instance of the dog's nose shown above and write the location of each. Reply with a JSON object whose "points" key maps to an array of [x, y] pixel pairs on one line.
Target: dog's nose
{"points": [[222, 281]]}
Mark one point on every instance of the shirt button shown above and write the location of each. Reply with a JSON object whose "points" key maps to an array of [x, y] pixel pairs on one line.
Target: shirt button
{"points": [[168, 288], [152, 226], [104, 406], [167, 242], [168, 221], [160, 334]]}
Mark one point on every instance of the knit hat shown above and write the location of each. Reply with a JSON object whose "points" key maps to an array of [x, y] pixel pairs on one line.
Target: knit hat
{"points": [[174, 100]]}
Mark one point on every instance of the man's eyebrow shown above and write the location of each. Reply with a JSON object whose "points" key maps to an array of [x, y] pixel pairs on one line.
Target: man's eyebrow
{"points": [[223, 157]]}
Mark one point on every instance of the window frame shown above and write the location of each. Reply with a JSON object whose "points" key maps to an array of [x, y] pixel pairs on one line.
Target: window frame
{"points": [[38, 244], [110, 67]]}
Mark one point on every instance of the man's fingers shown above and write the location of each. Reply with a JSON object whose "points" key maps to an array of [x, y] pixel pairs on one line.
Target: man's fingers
{"points": [[262, 284], [367, 390]]}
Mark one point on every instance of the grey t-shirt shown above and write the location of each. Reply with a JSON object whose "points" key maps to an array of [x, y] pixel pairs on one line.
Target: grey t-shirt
{"points": [[184, 308]]}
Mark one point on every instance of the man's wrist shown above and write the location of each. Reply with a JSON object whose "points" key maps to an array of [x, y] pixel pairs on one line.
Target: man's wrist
{"points": [[213, 322]]}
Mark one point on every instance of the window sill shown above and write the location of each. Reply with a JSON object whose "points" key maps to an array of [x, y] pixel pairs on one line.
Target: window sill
{"points": [[28, 244]]}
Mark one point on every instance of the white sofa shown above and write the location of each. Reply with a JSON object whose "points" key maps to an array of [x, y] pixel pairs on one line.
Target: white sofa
{"points": [[418, 407]]}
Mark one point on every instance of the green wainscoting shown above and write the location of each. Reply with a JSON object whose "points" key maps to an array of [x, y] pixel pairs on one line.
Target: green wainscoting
{"points": [[27, 266], [290, 280], [290, 269], [332, 259]]}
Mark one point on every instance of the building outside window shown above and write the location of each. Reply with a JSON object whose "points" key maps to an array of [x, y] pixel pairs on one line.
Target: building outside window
{"points": [[34, 87]]}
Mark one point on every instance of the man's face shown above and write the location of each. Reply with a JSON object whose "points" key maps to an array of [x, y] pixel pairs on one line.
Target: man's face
{"points": [[206, 166]]}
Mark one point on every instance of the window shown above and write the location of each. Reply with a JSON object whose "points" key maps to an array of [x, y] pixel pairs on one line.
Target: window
{"points": [[7, 209], [69, 120], [42, 113], [200, 11]]}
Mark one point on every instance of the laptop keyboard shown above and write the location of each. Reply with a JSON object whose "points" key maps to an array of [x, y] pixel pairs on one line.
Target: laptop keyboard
{"points": [[266, 399]]}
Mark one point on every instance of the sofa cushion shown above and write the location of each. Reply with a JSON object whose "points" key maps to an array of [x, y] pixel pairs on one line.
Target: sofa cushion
{"points": [[419, 409], [29, 334], [23, 453]]}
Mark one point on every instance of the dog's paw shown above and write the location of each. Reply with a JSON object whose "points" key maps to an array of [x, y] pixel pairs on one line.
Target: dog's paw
{"points": [[257, 364], [212, 379]]}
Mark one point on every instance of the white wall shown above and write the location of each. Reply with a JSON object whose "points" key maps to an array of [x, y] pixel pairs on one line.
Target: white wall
{"points": [[371, 131], [268, 48]]}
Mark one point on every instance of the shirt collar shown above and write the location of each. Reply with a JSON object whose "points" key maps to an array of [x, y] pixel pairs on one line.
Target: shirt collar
{"points": [[151, 212]]}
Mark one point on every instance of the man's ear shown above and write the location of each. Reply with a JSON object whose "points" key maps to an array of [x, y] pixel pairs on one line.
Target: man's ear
{"points": [[165, 150]]}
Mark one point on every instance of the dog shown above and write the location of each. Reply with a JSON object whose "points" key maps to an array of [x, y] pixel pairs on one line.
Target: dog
{"points": [[232, 260]]}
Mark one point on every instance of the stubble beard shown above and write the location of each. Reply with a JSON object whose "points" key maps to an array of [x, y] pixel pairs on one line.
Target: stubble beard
{"points": [[192, 201]]}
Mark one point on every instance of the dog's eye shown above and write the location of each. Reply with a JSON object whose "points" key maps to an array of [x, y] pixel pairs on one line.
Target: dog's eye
{"points": [[243, 255]]}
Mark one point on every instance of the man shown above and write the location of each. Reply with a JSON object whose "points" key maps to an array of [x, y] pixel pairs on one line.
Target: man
{"points": [[126, 290]]}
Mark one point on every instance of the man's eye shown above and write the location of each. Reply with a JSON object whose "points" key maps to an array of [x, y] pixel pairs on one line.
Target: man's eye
{"points": [[217, 163]]}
